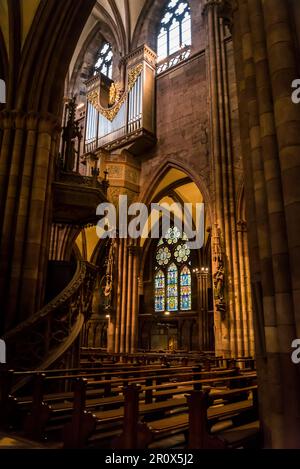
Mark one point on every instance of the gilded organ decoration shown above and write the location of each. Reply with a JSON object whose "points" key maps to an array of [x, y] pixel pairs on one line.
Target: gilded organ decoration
{"points": [[115, 94]]}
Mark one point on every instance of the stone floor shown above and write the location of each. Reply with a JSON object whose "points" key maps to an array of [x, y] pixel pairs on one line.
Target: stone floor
{"points": [[13, 441]]}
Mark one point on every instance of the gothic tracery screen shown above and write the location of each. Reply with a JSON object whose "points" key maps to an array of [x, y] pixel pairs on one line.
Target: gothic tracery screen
{"points": [[173, 280], [175, 29]]}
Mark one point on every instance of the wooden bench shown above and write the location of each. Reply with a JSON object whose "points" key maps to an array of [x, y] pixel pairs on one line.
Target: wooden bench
{"points": [[194, 423], [13, 407], [73, 439], [58, 406]]}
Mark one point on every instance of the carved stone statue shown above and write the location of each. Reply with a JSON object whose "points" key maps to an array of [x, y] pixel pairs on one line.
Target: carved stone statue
{"points": [[107, 279], [219, 280], [71, 135], [219, 276]]}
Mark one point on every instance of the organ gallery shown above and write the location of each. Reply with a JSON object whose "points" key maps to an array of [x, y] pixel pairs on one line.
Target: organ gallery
{"points": [[149, 225]]}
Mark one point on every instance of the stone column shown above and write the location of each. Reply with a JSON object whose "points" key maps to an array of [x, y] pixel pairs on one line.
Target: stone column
{"points": [[233, 327], [127, 298], [62, 241], [124, 305], [266, 65], [135, 300], [202, 285], [28, 149], [119, 296]]}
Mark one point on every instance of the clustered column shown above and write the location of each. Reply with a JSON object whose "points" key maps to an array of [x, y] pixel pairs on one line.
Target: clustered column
{"points": [[28, 145], [266, 65], [232, 331], [202, 282], [125, 330]]}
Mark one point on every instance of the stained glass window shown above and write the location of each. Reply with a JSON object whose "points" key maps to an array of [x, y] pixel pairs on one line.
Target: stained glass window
{"points": [[185, 289], [172, 288], [173, 280], [182, 253], [172, 236], [175, 32], [104, 61], [163, 256], [160, 292]]}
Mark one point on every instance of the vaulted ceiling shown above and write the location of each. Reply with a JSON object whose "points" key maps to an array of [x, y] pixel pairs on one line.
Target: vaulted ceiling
{"points": [[122, 12]]}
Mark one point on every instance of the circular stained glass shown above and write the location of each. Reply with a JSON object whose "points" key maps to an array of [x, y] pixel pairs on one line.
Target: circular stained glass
{"points": [[182, 253], [173, 235], [163, 256]]}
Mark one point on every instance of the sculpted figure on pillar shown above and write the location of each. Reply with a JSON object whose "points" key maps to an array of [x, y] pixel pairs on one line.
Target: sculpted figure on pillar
{"points": [[71, 135], [219, 275], [107, 280]]}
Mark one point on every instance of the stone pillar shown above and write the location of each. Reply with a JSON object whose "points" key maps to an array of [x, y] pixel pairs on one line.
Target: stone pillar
{"points": [[110, 335], [232, 328], [127, 298], [119, 296], [28, 149], [245, 288], [135, 300], [62, 241], [124, 305], [266, 64], [202, 285]]}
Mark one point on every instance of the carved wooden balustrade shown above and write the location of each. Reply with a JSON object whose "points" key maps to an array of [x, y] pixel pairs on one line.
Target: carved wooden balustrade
{"points": [[45, 338]]}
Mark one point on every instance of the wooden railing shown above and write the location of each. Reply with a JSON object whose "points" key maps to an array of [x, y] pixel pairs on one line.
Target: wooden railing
{"points": [[45, 338]]}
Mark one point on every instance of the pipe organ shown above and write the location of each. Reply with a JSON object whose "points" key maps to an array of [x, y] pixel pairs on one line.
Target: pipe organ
{"points": [[128, 119]]}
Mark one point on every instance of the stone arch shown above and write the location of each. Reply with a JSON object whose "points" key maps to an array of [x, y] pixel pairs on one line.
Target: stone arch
{"points": [[100, 33], [162, 170], [147, 27], [47, 52]]}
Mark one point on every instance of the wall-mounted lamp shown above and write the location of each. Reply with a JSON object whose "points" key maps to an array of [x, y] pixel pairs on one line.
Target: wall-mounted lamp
{"points": [[205, 270]]}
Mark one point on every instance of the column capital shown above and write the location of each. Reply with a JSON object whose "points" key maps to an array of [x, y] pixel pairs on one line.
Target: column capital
{"points": [[224, 9], [241, 226], [211, 4], [44, 122], [48, 123], [133, 250]]}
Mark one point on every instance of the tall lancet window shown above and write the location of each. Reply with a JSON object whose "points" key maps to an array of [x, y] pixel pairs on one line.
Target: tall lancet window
{"points": [[173, 280], [160, 291], [104, 62], [175, 29]]}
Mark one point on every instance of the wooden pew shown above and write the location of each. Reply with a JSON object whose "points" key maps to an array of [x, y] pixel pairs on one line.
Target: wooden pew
{"points": [[13, 407], [44, 406], [195, 423], [201, 415], [115, 417]]}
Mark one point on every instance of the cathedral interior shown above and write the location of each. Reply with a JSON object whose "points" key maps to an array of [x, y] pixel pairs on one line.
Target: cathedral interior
{"points": [[144, 341]]}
